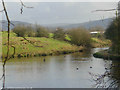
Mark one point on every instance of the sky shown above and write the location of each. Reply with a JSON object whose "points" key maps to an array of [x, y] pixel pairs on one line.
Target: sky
{"points": [[46, 13], [62, 0]]}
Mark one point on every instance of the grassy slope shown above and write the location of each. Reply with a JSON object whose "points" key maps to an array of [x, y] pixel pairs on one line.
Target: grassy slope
{"points": [[42, 46], [100, 43], [39, 46]]}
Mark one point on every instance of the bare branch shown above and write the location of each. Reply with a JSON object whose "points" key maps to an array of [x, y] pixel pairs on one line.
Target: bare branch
{"points": [[23, 5], [12, 24], [104, 10], [6, 14], [2, 77], [31, 42]]}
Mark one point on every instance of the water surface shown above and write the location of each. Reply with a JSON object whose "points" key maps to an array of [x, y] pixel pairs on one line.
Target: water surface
{"points": [[56, 72]]}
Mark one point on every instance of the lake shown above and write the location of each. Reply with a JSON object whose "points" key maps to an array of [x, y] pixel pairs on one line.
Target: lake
{"points": [[63, 71]]}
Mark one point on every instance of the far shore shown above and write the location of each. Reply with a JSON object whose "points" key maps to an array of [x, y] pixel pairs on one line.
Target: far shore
{"points": [[106, 55], [35, 46]]}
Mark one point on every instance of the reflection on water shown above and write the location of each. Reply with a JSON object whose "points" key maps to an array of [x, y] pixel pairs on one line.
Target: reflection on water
{"points": [[63, 71]]}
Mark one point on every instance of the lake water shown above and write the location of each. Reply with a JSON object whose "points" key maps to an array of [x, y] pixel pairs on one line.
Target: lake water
{"points": [[56, 72]]}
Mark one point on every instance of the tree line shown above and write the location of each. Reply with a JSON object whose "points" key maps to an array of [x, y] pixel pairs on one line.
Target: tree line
{"points": [[113, 33], [77, 36]]}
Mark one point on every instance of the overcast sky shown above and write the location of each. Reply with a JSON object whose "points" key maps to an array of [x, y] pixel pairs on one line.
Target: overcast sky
{"points": [[59, 12]]}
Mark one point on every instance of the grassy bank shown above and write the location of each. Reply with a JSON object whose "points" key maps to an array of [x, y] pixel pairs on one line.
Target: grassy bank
{"points": [[106, 55], [35, 46], [96, 42], [41, 46]]}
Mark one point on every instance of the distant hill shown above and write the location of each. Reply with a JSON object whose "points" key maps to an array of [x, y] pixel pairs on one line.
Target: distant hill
{"points": [[4, 25], [103, 23]]}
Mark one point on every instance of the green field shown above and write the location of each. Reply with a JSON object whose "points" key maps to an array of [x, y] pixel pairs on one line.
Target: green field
{"points": [[35, 46]]}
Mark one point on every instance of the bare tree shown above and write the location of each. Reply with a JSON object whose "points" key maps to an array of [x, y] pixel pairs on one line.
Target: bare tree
{"points": [[8, 41], [113, 80]]}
